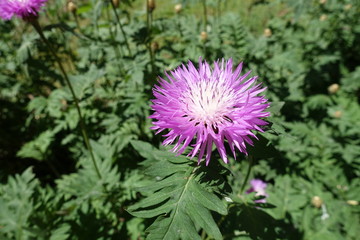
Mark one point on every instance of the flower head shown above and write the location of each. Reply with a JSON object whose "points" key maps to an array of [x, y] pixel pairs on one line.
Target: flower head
{"points": [[208, 106], [258, 186], [20, 8]]}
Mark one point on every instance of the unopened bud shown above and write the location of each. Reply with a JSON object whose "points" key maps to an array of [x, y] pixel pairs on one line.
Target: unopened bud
{"points": [[322, 1], [154, 46], [203, 36], [151, 5], [64, 104], [71, 7], [178, 8], [347, 7], [267, 32], [333, 88], [352, 202], [338, 114], [316, 201], [323, 17], [116, 3]]}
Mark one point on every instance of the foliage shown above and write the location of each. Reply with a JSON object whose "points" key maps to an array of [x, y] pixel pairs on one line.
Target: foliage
{"points": [[303, 51]]}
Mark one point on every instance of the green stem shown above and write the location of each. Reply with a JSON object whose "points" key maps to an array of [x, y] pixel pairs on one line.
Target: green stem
{"points": [[205, 14], [121, 27], [77, 21], [247, 174], [152, 58], [118, 50], [147, 17], [37, 27]]}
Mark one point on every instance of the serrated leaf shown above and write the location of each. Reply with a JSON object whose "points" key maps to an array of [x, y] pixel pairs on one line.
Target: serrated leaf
{"points": [[175, 197], [38, 147], [16, 203], [275, 108], [206, 198]]}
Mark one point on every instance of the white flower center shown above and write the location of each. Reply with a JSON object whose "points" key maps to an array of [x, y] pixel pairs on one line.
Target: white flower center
{"points": [[209, 102]]}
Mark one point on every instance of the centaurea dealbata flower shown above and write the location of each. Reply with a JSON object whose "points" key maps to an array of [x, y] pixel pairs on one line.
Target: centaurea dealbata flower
{"points": [[258, 186], [206, 106], [20, 8]]}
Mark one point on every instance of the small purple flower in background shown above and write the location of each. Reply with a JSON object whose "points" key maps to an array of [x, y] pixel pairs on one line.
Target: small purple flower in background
{"points": [[20, 8], [208, 106], [258, 186]]}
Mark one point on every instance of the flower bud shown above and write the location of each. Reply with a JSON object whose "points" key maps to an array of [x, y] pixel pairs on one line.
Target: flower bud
{"points": [[203, 36], [323, 17], [154, 46], [267, 32], [333, 88], [115, 3], [338, 114], [316, 201], [347, 7], [178, 8], [352, 202], [64, 104], [71, 7], [322, 1], [151, 5]]}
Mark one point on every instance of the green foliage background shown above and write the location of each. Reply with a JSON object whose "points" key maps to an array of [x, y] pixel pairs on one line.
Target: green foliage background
{"points": [[309, 155]]}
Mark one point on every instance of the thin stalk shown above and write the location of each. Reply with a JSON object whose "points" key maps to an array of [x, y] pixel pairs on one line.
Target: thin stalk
{"points": [[147, 16], [247, 174], [118, 51], [219, 11], [152, 58], [37, 27], [150, 17], [148, 45], [77, 21], [205, 14], [121, 27]]}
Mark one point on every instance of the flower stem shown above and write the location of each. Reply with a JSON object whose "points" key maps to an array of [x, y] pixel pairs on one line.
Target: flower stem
{"points": [[121, 27], [247, 174], [37, 27], [118, 50], [205, 14]]}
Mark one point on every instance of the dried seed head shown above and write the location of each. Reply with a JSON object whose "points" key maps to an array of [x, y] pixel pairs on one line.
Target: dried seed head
{"points": [[178, 8], [203, 36], [316, 201], [116, 3], [267, 32], [151, 5], [333, 88], [71, 7]]}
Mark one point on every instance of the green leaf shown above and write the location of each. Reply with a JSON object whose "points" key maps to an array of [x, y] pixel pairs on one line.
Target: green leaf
{"points": [[177, 196], [38, 147], [16, 204], [275, 108]]}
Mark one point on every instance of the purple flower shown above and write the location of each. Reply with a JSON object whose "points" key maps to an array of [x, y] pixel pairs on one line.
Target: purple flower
{"points": [[258, 186], [205, 106], [20, 8]]}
